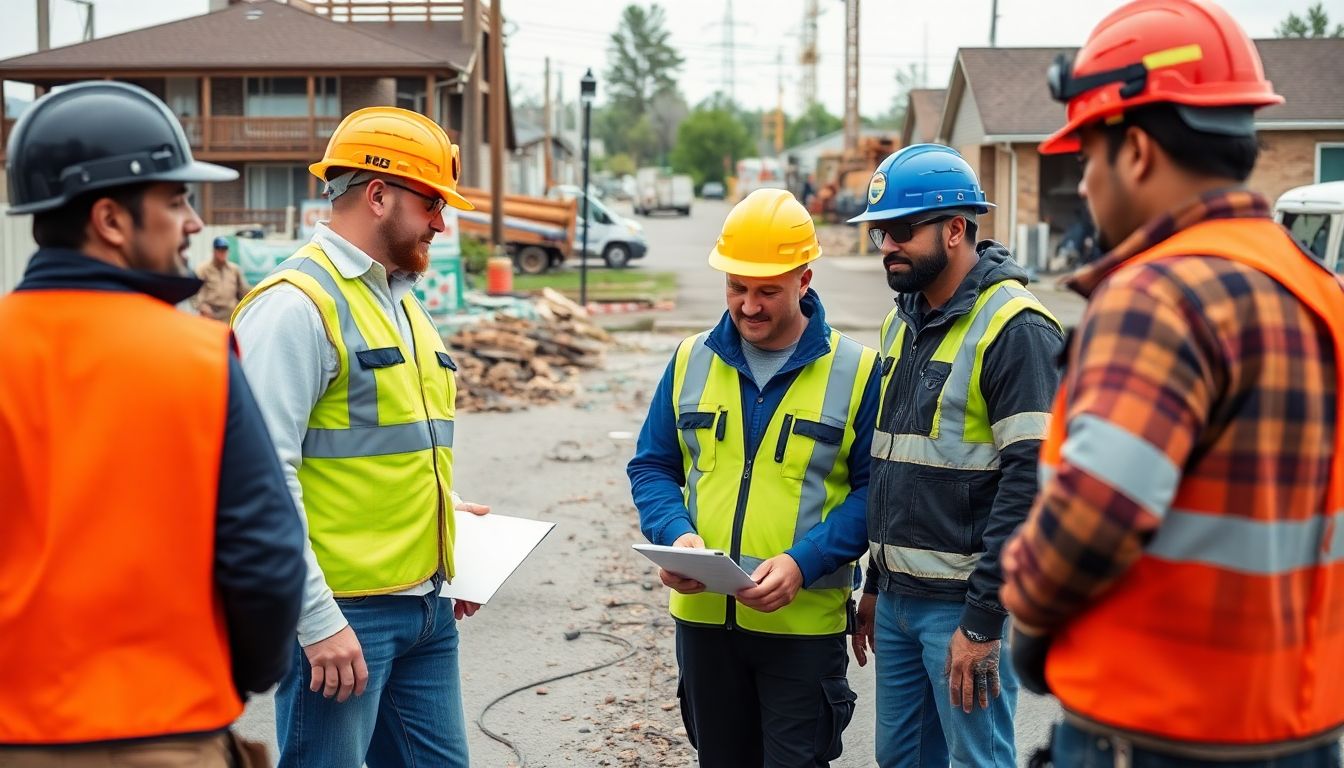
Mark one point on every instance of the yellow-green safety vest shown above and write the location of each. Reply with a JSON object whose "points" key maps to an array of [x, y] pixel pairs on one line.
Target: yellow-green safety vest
{"points": [[962, 436], [757, 507], [377, 465]]}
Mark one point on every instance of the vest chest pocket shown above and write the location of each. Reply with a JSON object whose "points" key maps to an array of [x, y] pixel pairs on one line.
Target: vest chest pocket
{"points": [[383, 357], [701, 432], [928, 392], [803, 436]]}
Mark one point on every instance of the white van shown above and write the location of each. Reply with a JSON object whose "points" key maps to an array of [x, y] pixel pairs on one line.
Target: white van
{"points": [[613, 237], [1314, 214], [755, 173]]}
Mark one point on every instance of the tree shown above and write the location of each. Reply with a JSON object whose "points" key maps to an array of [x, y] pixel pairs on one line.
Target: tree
{"points": [[907, 79], [706, 140], [621, 164], [1315, 24], [816, 121], [666, 111], [641, 63]]}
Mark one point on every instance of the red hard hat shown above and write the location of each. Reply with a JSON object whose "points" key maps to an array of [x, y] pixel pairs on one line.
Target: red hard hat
{"points": [[1186, 52]]}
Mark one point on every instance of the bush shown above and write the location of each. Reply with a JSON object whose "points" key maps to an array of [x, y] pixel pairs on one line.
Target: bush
{"points": [[475, 252]]}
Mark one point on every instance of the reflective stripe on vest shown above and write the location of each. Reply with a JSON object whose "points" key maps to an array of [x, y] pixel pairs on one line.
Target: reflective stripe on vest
{"points": [[377, 454], [961, 436], [1237, 620], [798, 475]]}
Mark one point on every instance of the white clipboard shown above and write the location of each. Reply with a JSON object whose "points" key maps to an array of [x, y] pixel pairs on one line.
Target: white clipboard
{"points": [[487, 549], [710, 567]]}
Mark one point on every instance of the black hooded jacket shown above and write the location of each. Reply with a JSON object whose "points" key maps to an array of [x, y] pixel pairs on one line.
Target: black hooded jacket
{"points": [[954, 510]]}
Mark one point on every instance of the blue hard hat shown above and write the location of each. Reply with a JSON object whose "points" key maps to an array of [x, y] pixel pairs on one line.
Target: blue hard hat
{"points": [[221, 242], [922, 178]]}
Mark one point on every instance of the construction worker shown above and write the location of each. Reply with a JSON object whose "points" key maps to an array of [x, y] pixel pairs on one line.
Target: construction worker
{"points": [[1179, 584], [968, 373], [756, 444], [150, 557], [359, 396], [224, 283]]}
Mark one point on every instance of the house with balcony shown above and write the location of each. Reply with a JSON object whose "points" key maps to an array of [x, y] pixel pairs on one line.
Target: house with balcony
{"points": [[260, 86]]}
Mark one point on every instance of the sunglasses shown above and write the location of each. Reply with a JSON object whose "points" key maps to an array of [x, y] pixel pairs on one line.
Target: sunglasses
{"points": [[898, 231]]}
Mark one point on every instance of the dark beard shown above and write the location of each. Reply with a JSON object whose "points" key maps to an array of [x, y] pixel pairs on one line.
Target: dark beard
{"points": [[922, 273]]}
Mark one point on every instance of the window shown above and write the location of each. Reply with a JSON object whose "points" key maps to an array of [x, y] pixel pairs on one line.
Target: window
{"points": [[411, 93], [288, 97], [1311, 231], [1329, 162], [275, 185]]}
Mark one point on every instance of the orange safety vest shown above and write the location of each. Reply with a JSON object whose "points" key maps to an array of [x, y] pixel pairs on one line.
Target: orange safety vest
{"points": [[1134, 661], [112, 417]]}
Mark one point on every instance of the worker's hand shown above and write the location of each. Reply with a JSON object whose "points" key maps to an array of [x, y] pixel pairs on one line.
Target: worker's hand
{"points": [[462, 608], [863, 631], [675, 580], [972, 671], [777, 583], [475, 509], [338, 666]]}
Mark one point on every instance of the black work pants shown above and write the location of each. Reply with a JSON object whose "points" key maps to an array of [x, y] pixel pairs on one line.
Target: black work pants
{"points": [[757, 700]]}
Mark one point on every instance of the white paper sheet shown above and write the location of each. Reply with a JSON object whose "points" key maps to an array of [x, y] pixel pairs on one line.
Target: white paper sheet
{"points": [[710, 567], [487, 550]]}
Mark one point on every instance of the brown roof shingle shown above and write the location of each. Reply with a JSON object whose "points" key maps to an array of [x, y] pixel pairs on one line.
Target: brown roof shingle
{"points": [[1009, 88], [280, 37], [926, 107]]}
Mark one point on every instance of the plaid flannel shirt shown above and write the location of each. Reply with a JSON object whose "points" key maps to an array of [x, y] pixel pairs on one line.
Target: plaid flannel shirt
{"points": [[1209, 361]]}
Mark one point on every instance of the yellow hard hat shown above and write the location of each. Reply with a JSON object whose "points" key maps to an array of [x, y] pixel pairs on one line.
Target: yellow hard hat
{"points": [[767, 234], [398, 142]]}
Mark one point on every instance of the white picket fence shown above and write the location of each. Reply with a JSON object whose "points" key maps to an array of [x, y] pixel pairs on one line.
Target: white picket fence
{"points": [[16, 246]]}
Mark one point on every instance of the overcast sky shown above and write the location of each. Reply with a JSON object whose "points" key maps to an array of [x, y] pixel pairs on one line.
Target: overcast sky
{"points": [[893, 35]]}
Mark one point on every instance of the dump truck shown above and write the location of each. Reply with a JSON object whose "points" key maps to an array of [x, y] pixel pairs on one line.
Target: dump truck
{"points": [[538, 232]]}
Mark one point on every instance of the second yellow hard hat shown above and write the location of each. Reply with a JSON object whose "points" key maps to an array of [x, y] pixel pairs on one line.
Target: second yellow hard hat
{"points": [[768, 233]]}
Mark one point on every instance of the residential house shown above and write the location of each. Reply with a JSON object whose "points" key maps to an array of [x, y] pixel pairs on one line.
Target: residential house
{"points": [[998, 109], [527, 164], [260, 86], [923, 111]]}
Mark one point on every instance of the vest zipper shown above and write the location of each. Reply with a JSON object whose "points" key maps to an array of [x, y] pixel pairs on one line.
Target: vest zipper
{"points": [[433, 455], [739, 517]]}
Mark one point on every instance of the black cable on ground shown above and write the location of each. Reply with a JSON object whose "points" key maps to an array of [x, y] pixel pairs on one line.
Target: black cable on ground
{"points": [[570, 635]]}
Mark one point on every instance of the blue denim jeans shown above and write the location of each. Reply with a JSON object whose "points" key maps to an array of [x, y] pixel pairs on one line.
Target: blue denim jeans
{"points": [[411, 711], [917, 725], [1078, 749]]}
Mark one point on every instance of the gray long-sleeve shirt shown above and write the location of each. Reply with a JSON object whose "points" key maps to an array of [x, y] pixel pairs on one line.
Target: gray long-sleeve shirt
{"points": [[291, 362]]}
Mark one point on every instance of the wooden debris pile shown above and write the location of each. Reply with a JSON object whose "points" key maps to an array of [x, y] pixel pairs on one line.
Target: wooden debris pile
{"points": [[507, 363]]}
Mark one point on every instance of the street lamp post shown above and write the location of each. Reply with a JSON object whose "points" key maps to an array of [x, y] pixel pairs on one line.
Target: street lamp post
{"points": [[587, 90]]}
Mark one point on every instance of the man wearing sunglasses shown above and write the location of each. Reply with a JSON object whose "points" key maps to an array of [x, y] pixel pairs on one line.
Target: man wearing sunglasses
{"points": [[967, 378], [358, 393], [1179, 584]]}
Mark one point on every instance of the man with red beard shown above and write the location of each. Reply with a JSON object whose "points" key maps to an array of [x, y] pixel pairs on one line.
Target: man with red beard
{"points": [[358, 394]]}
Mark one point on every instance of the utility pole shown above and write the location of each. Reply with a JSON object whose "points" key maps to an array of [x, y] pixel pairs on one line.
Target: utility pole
{"points": [[549, 179], [994, 23], [779, 102], [851, 76], [498, 93], [808, 56], [43, 25], [88, 18], [729, 53], [473, 107]]}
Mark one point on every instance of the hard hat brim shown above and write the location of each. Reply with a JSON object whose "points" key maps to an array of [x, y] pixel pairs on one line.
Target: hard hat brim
{"points": [[753, 268], [197, 171], [905, 213]]}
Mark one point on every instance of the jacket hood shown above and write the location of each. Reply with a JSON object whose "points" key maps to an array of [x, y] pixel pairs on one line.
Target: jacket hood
{"points": [[996, 265]]}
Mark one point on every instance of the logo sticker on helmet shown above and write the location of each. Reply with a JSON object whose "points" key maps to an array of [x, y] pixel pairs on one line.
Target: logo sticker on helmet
{"points": [[877, 187]]}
